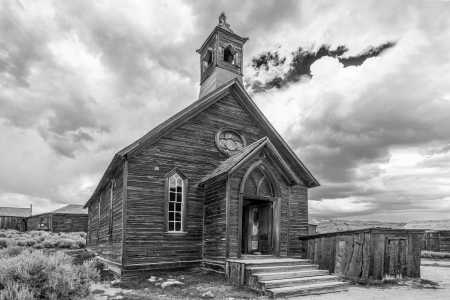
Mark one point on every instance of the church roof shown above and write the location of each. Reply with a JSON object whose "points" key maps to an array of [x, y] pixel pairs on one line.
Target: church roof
{"points": [[15, 212], [234, 161], [234, 87]]}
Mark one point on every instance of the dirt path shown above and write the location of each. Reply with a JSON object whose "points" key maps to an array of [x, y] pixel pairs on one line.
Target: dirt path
{"points": [[423, 290], [434, 285]]}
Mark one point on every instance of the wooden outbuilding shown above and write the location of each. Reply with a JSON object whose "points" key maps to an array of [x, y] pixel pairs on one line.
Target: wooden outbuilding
{"points": [[213, 182], [367, 255], [69, 218], [14, 218]]}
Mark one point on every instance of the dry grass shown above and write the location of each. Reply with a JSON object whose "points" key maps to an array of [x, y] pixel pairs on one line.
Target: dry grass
{"points": [[42, 239], [33, 274]]}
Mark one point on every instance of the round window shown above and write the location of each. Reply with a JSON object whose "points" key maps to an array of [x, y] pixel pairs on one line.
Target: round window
{"points": [[229, 141]]}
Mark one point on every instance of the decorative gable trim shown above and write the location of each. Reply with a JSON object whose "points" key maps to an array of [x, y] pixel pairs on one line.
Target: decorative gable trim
{"points": [[236, 161]]}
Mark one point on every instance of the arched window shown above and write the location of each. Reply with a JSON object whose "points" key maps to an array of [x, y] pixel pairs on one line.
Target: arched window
{"points": [[208, 59], [258, 185], [175, 203], [228, 54]]}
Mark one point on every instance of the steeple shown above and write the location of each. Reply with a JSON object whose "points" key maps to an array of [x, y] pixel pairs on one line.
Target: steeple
{"points": [[220, 57]]}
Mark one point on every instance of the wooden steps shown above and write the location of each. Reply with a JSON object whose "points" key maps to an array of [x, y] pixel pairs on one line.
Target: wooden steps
{"points": [[310, 289], [288, 277]]}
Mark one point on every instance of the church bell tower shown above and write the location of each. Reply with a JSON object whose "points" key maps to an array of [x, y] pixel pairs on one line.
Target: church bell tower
{"points": [[220, 57]]}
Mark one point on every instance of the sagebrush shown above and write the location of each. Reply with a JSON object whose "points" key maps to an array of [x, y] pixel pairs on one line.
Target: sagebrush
{"points": [[32, 274]]}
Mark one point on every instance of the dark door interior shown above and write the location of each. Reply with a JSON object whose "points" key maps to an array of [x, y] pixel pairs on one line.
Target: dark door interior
{"points": [[257, 221]]}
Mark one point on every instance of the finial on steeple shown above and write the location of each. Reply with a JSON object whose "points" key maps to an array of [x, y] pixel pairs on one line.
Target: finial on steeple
{"points": [[223, 22]]}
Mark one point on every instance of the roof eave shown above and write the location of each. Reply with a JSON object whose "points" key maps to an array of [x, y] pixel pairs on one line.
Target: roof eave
{"points": [[115, 162]]}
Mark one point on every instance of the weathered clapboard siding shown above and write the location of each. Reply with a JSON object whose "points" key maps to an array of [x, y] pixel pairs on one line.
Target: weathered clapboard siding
{"points": [[58, 222], [39, 222], [105, 228], [367, 254], [191, 149], [437, 240], [298, 219], [12, 222], [214, 235], [69, 223]]}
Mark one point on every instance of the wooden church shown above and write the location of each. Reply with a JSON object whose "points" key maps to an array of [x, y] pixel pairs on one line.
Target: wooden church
{"points": [[212, 185]]}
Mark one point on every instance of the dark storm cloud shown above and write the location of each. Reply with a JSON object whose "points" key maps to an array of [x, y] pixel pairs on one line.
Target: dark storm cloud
{"points": [[302, 59]]}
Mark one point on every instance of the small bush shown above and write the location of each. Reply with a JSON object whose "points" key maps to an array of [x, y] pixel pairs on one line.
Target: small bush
{"points": [[11, 251], [65, 243], [3, 243], [14, 291], [51, 276]]}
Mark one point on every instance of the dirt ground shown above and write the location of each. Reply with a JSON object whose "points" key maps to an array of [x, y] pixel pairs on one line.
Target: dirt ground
{"points": [[434, 285]]}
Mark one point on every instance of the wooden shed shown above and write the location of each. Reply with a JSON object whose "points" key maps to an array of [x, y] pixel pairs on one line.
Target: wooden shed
{"points": [[366, 255], [69, 218], [14, 218]]}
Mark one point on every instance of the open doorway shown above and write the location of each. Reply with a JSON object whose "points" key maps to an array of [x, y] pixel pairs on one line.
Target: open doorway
{"points": [[259, 212], [257, 224]]}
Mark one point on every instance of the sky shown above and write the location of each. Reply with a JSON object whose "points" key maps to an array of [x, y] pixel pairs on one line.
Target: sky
{"points": [[359, 89]]}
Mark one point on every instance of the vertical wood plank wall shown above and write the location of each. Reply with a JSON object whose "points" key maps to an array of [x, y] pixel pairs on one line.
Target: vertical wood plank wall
{"points": [[437, 241], [368, 254], [10, 222]]}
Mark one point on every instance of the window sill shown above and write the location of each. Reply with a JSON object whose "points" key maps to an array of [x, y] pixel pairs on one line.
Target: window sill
{"points": [[176, 232]]}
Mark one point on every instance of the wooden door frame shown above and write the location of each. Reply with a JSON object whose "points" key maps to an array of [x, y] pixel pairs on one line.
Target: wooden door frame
{"points": [[264, 202], [275, 208]]}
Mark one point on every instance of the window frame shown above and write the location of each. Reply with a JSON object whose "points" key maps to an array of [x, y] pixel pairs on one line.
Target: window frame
{"points": [[184, 188], [111, 200]]}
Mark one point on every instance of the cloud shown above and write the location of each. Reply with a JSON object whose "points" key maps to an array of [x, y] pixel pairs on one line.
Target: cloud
{"points": [[80, 80], [300, 64]]}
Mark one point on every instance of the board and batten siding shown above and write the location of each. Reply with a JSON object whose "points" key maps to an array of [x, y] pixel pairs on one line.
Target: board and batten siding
{"points": [[105, 228], [191, 149]]}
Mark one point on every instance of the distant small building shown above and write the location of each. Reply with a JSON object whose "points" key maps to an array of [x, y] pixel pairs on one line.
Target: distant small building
{"points": [[69, 218], [14, 218]]}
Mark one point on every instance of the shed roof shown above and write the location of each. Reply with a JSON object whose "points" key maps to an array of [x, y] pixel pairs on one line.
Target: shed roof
{"points": [[15, 212]]}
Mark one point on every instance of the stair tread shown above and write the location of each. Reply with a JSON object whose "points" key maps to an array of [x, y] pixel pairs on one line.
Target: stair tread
{"points": [[298, 279], [291, 272], [307, 287], [301, 266], [268, 260]]}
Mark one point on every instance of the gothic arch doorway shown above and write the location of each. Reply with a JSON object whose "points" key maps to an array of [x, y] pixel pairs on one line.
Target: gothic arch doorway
{"points": [[259, 211]]}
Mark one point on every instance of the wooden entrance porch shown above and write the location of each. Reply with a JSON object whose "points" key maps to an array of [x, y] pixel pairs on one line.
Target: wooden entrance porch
{"points": [[281, 276]]}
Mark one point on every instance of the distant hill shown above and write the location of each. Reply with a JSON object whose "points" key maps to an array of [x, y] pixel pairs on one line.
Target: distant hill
{"points": [[333, 225]]}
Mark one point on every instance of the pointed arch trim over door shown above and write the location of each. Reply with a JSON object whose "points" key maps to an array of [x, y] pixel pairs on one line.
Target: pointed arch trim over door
{"points": [[269, 177]]}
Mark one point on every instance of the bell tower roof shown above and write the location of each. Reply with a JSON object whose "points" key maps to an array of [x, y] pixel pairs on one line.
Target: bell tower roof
{"points": [[220, 56]]}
